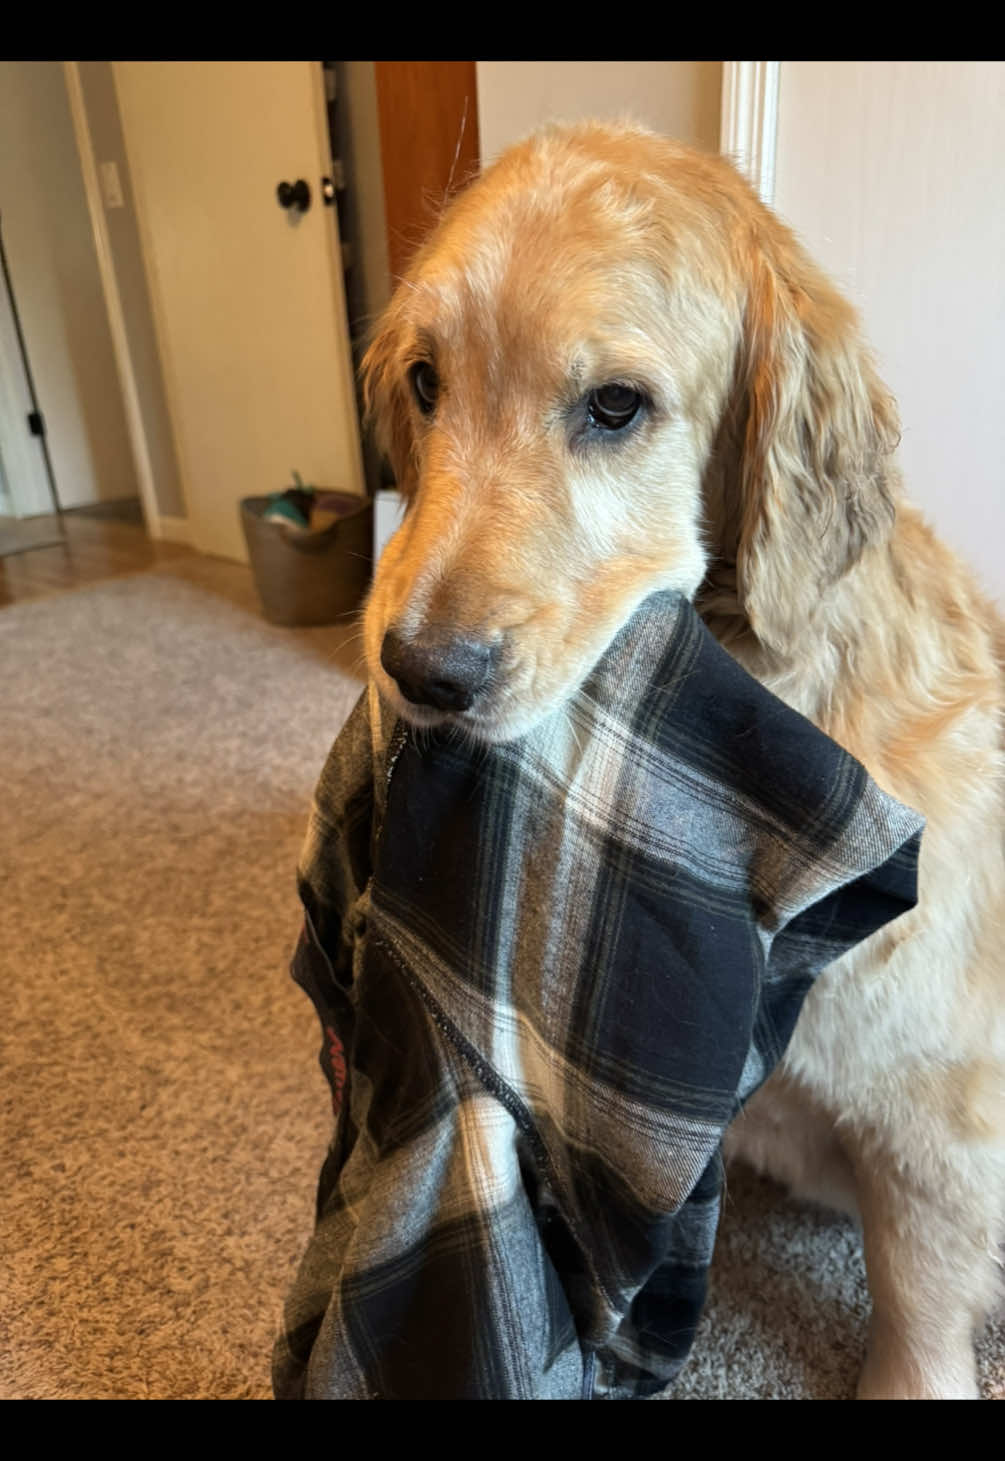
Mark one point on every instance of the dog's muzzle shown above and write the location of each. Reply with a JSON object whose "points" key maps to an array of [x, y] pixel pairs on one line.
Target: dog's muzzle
{"points": [[439, 667]]}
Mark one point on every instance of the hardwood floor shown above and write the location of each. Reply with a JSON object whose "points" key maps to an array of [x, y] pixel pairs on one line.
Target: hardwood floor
{"points": [[92, 550]]}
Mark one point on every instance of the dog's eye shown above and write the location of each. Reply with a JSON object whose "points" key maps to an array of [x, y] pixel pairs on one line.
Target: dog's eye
{"points": [[612, 407], [426, 385]]}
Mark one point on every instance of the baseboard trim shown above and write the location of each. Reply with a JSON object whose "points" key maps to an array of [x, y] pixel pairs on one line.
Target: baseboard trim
{"points": [[173, 529]]}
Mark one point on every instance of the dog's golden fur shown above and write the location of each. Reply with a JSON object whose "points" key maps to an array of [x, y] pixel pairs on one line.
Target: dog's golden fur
{"points": [[759, 480]]}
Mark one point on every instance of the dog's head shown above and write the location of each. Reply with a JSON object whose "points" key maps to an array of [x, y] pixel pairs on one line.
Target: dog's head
{"points": [[608, 365]]}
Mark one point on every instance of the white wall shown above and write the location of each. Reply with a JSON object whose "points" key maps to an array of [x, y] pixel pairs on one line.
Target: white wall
{"points": [[54, 268], [892, 173], [679, 98]]}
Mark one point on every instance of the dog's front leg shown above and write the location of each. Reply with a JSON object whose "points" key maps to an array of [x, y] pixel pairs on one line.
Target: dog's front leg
{"points": [[931, 1264]]}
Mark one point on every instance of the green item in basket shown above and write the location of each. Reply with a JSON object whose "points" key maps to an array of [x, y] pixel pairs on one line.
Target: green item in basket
{"points": [[292, 507]]}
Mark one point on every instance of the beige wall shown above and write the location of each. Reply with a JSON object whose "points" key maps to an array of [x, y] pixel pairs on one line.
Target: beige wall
{"points": [[50, 250], [679, 98], [105, 127], [892, 173]]}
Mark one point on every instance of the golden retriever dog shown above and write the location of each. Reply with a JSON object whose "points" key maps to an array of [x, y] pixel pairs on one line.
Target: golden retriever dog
{"points": [[610, 370]]}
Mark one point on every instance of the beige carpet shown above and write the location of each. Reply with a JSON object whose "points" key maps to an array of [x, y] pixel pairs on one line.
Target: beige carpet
{"points": [[164, 1116]]}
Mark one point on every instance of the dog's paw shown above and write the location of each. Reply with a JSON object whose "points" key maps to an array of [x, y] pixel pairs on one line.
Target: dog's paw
{"points": [[895, 1370]]}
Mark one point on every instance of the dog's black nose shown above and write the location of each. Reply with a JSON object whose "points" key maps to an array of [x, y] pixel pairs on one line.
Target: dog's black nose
{"points": [[438, 667]]}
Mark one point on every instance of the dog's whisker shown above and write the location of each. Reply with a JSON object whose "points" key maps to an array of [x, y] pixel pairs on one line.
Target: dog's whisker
{"points": [[457, 149]]}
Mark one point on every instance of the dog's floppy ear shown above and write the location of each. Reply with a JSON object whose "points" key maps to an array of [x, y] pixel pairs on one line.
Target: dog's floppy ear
{"points": [[387, 405], [814, 481]]}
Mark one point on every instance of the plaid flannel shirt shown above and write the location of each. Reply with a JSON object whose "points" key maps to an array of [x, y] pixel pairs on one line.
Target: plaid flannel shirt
{"points": [[548, 974]]}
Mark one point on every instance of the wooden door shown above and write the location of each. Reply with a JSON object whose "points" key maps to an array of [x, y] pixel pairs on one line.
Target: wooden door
{"points": [[428, 114], [248, 298]]}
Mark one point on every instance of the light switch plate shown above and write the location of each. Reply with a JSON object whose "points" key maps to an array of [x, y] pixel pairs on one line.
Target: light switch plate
{"points": [[111, 187]]}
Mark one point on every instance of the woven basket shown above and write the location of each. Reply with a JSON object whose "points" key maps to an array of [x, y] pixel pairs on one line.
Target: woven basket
{"points": [[311, 578]]}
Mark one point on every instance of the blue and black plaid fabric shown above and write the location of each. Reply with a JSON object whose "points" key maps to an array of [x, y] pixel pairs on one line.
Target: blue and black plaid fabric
{"points": [[549, 973]]}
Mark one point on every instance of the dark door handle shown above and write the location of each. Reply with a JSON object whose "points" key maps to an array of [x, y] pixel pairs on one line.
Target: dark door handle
{"points": [[294, 195]]}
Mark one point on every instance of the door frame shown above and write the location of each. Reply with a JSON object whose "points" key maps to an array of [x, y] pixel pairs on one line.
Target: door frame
{"points": [[157, 526], [748, 132], [336, 268]]}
